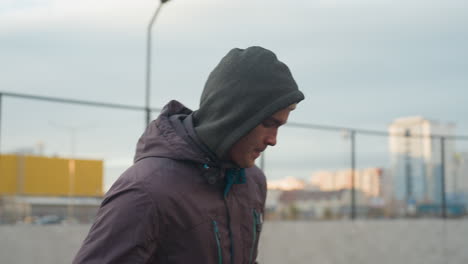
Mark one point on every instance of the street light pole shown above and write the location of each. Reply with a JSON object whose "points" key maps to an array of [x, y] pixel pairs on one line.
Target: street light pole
{"points": [[148, 62]]}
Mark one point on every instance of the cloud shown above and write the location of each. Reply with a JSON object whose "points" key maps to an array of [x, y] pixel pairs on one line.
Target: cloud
{"points": [[70, 14], [214, 15]]}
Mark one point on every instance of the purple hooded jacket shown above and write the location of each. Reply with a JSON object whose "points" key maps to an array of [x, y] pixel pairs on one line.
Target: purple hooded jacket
{"points": [[171, 206]]}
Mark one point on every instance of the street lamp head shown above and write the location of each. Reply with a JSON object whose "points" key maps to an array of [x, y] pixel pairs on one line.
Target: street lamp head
{"points": [[164, 1]]}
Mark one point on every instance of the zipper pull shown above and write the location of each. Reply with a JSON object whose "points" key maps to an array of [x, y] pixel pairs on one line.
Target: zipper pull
{"points": [[215, 224], [258, 220], [218, 242]]}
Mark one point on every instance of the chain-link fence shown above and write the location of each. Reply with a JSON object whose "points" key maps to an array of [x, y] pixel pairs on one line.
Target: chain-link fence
{"points": [[349, 173], [416, 169]]}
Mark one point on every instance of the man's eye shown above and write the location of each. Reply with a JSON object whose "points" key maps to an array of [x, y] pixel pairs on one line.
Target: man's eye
{"points": [[268, 123]]}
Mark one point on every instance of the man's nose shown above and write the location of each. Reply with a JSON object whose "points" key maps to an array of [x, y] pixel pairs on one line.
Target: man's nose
{"points": [[271, 139]]}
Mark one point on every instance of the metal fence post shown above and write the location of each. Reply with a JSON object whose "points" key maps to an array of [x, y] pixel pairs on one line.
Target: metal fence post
{"points": [[408, 177], [353, 171], [442, 177]]}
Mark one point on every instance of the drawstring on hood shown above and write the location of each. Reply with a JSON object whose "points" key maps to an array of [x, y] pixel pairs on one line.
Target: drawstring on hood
{"points": [[246, 87]]}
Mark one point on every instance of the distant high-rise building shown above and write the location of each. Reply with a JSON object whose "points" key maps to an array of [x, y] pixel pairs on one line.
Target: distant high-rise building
{"points": [[416, 159]]}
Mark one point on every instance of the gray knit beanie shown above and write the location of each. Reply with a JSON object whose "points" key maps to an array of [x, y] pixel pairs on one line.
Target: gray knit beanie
{"points": [[246, 87]]}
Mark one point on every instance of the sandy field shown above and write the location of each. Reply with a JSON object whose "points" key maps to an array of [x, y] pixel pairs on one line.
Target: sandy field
{"points": [[333, 242]]}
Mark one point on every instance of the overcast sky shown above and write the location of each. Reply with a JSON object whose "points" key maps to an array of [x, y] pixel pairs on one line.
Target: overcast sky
{"points": [[360, 63]]}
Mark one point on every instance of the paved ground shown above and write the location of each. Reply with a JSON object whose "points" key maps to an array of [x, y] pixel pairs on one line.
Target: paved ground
{"points": [[366, 242], [361, 242]]}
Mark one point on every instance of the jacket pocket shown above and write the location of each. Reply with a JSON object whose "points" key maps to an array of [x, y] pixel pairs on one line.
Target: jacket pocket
{"points": [[218, 242], [256, 228]]}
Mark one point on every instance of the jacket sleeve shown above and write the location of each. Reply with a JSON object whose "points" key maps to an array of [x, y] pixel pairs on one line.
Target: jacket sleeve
{"points": [[262, 191], [125, 229]]}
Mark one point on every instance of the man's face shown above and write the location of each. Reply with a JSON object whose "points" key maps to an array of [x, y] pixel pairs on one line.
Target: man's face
{"points": [[247, 149]]}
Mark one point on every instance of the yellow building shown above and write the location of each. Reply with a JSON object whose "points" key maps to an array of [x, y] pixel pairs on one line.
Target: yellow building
{"points": [[44, 176], [34, 188]]}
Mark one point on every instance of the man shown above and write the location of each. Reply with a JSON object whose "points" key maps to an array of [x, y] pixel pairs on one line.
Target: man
{"points": [[193, 194]]}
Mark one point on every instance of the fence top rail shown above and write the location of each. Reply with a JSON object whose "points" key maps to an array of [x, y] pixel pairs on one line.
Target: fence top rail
{"points": [[79, 102], [289, 124], [372, 132]]}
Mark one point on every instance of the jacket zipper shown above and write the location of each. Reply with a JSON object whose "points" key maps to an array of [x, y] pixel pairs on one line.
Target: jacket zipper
{"points": [[218, 241], [231, 248], [254, 234]]}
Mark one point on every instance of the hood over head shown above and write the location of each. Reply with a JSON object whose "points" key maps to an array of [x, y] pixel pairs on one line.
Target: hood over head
{"points": [[246, 87]]}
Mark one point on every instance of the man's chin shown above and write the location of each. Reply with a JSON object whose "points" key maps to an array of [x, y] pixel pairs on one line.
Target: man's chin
{"points": [[250, 164], [247, 164]]}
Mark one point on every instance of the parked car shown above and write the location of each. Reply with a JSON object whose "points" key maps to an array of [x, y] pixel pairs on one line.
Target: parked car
{"points": [[48, 220]]}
